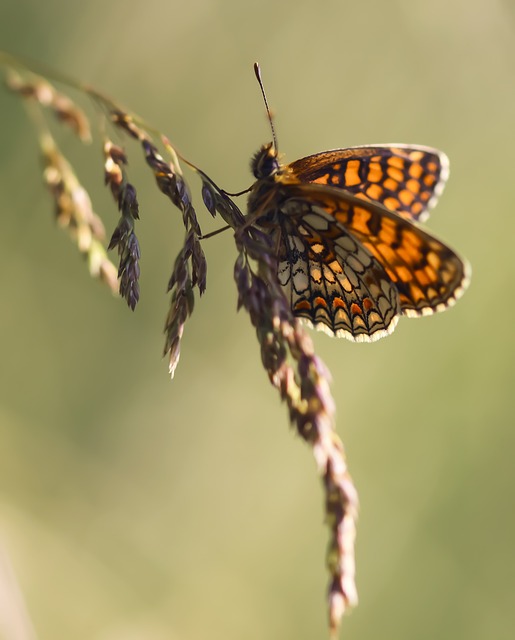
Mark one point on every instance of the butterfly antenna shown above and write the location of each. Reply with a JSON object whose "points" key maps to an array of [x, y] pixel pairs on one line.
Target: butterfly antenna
{"points": [[257, 71]]}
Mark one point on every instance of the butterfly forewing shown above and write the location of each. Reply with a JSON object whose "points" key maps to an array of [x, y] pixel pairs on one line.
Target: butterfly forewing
{"points": [[405, 179]]}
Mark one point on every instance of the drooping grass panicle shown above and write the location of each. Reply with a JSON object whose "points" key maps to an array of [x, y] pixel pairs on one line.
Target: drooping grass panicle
{"points": [[73, 207], [190, 268], [302, 379], [74, 212]]}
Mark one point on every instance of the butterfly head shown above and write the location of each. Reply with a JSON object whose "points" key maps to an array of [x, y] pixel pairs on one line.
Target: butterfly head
{"points": [[265, 163]]}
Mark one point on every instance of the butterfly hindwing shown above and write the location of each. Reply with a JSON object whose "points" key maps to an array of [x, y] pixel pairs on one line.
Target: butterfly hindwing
{"points": [[332, 281], [427, 274]]}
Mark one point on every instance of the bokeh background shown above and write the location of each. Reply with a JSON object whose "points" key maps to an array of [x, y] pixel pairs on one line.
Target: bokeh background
{"points": [[134, 507]]}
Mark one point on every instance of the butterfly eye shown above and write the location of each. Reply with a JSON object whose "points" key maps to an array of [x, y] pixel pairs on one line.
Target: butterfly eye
{"points": [[265, 164]]}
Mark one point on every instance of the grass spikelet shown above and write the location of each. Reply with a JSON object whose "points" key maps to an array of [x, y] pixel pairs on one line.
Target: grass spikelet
{"points": [[46, 95]]}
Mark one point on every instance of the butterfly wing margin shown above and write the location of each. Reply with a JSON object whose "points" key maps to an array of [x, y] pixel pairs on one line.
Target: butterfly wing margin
{"points": [[407, 179]]}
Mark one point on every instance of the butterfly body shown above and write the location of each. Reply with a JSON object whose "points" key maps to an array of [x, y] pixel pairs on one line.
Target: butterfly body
{"points": [[352, 256]]}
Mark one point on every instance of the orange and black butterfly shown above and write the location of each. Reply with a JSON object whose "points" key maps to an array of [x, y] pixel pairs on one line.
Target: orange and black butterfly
{"points": [[352, 256]]}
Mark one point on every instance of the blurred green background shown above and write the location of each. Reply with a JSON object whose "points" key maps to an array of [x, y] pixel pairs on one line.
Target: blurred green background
{"points": [[133, 507]]}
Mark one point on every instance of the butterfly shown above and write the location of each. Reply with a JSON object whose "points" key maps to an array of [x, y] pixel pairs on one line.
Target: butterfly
{"points": [[352, 255]]}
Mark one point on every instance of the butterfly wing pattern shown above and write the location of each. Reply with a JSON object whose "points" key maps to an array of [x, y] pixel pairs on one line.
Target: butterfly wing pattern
{"points": [[352, 257], [405, 179]]}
